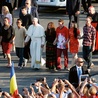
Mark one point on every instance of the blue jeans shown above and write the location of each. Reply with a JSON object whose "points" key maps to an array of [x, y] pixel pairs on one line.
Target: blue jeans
{"points": [[87, 55], [20, 53]]}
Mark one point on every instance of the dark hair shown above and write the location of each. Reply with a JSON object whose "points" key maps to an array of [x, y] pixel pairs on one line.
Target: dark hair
{"points": [[23, 7], [6, 18], [75, 29], [19, 19]]}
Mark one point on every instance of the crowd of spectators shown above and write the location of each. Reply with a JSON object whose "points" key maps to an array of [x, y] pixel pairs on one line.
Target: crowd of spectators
{"points": [[60, 88]]}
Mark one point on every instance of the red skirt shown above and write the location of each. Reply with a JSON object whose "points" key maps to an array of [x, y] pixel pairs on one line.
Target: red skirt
{"points": [[6, 47]]}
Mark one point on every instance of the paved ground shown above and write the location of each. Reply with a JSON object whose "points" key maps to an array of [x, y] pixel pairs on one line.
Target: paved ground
{"points": [[27, 75]]}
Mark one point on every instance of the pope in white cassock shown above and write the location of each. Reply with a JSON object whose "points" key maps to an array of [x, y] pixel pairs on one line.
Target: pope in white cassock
{"points": [[37, 34]]}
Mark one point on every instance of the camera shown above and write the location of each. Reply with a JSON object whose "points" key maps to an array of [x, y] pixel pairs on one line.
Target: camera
{"points": [[83, 77], [32, 84], [66, 85], [3, 93]]}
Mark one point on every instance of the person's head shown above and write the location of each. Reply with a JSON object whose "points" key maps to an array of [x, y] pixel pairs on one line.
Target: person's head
{"points": [[92, 90], [79, 62], [28, 3], [24, 10], [50, 25], [73, 24], [35, 21], [91, 10], [25, 91], [60, 22], [19, 22], [71, 95], [61, 87], [88, 21], [85, 91], [6, 21], [5, 10]]}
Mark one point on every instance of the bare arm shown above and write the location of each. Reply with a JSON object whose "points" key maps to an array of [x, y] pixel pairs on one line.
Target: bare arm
{"points": [[72, 88]]}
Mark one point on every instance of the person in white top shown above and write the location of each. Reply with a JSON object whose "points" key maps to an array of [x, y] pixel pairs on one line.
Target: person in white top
{"points": [[6, 13], [37, 34]]}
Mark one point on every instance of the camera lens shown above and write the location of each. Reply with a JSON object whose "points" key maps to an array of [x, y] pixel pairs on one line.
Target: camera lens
{"points": [[32, 84]]}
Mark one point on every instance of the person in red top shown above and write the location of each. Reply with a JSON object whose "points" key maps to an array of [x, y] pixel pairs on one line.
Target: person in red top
{"points": [[62, 43], [74, 34]]}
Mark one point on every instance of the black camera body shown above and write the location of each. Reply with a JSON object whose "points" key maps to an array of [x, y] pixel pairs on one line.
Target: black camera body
{"points": [[2, 92]]}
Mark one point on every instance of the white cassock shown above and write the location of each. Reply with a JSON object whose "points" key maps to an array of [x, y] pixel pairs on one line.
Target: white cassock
{"points": [[37, 35]]}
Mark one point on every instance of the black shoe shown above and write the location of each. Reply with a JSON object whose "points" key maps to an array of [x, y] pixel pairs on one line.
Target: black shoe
{"points": [[84, 12], [66, 68], [4, 55], [36, 68]]}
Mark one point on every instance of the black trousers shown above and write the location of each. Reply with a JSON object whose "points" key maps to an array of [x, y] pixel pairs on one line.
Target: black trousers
{"points": [[73, 17], [87, 55], [86, 6]]}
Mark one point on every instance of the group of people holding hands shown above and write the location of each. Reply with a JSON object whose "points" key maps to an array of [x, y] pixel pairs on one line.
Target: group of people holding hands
{"points": [[30, 37]]}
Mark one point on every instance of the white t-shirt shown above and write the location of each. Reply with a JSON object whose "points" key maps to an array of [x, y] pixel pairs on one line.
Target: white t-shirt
{"points": [[61, 41]]}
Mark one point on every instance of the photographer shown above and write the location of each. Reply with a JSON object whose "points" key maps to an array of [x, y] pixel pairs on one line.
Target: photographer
{"points": [[88, 89], [43, 81], [62, 88], [42, 88], [26, 93]]}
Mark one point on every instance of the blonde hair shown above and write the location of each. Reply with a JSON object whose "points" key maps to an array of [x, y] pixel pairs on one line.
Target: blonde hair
{"points": [[6, 9], [86, 91], [92, 90]]}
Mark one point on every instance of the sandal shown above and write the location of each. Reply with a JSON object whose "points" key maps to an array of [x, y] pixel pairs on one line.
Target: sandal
{"points": [[9, 65]]}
